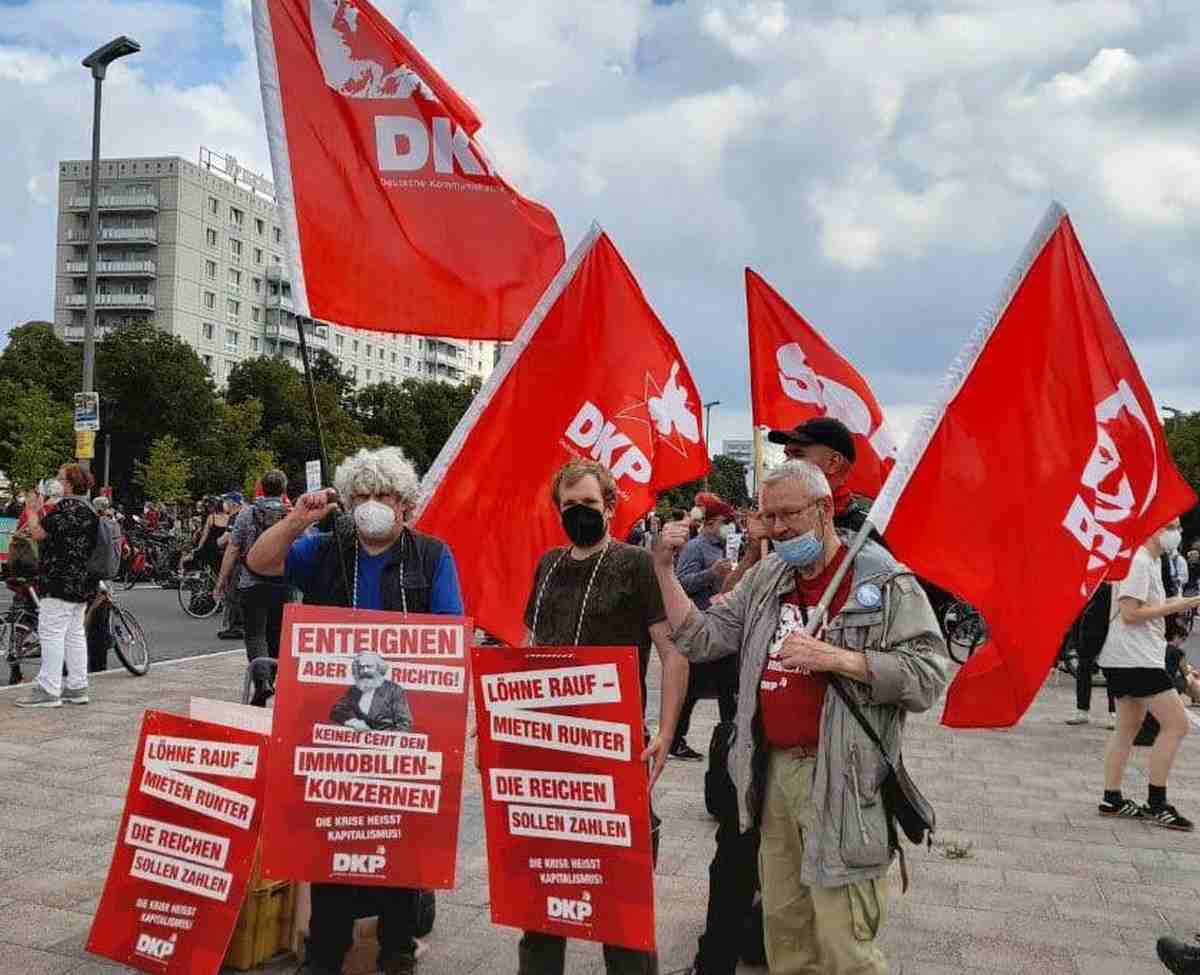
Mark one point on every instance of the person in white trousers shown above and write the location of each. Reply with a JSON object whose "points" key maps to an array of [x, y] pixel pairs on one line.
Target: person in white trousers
{"points": [[65, 537]]}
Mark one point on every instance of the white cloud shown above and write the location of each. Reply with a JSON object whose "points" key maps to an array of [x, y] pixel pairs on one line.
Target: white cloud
{"points": [[881, 165], [7, 250]]}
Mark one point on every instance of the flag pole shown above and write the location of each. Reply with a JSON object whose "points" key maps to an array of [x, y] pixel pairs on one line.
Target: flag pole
{"points": [[326, 480], [816, 619], [312, 401]]}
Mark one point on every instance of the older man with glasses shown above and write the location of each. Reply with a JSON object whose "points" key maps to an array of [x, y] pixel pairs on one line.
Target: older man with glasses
{"points": [[805, 771]]}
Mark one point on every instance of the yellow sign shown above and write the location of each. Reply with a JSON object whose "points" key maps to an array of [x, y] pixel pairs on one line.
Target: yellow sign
{"points": [[85, 444]]}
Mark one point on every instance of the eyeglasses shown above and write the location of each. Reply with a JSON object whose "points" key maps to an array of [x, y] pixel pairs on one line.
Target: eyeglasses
{"points": [[786, 516]]}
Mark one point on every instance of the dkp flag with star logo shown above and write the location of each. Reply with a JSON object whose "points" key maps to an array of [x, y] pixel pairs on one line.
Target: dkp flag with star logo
{"points": [[592, 374]]}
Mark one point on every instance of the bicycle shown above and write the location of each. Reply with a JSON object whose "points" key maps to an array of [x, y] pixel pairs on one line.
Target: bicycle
{"points": [[965, 630], [20, 631], [22, 641], [196, 593], [129, 639]]}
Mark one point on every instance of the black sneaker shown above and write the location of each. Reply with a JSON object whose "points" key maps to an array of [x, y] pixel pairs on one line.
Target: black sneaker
{"points": [[681, 750], [1167, 817], [231, 635], [1179, 956], [1126, 809]]}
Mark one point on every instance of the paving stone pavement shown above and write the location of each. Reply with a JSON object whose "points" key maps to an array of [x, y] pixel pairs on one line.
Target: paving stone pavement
{"points": [[1046, 887]]}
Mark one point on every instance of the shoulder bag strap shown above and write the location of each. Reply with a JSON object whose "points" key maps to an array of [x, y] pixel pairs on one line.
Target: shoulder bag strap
{"points": [[848, 700]]}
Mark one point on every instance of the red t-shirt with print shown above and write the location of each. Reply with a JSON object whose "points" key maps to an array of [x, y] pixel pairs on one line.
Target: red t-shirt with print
{"points": [[790, 702]]}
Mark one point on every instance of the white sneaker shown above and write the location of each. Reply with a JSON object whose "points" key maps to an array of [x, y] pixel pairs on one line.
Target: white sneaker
{"points": [[1081, 717], [1111, 723]]}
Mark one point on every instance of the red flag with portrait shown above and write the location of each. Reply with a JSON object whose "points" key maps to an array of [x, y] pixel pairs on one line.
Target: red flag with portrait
{"points": [[593, 374], [395, 218], [1037, 476], [795, 375]]}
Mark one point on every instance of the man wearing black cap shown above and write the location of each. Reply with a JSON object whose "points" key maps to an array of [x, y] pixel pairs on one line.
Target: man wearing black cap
{"points": [[827, 443]]}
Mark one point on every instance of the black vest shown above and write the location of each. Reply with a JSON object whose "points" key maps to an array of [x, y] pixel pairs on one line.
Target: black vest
{"points": [[418, 555]]}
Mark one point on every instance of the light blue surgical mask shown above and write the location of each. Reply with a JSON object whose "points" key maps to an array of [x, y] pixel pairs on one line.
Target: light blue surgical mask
{"points": [[801, 552]]}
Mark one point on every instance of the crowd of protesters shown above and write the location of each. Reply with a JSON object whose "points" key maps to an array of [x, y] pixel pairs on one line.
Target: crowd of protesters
{"points": [[812, 709]]}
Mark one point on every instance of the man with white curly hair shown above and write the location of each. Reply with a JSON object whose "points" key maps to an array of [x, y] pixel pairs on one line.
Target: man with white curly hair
{"points": [[370, 559]]}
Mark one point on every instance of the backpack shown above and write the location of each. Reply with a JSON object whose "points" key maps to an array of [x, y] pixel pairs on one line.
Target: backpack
{"points": [[264, 519], [105, 560]]}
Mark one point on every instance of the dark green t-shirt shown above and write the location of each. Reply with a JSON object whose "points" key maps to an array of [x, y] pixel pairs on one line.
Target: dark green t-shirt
{"points": [[625, 601]]}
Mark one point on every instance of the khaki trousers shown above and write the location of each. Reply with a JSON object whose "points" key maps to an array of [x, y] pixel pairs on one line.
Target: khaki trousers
{"points": [[811, 930]]}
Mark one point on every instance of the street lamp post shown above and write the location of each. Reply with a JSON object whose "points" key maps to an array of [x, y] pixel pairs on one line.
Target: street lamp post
{"points": [[707, 420], [1175, 414], [98, 61]]}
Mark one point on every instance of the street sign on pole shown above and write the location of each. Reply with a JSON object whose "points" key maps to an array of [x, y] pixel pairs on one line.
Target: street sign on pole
{"points": [[312, 475], [85, 444], [87, 412]]}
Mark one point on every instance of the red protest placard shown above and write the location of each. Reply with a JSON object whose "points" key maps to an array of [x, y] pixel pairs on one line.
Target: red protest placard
{"points": [[565, 796], [185, 848], [365, 771]]}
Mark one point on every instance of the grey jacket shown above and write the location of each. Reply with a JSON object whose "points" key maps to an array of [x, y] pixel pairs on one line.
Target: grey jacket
{"points": [[907, 672]]}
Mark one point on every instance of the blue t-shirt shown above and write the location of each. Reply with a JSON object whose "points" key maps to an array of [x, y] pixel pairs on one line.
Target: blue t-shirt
{"points": [[445, 598]]}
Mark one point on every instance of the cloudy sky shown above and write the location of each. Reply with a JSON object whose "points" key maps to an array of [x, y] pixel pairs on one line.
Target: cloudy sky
{"points": [[881, 163]]}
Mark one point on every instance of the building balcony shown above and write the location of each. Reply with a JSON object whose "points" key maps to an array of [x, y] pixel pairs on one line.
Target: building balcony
{"points": [[117, 201], [75, 333], [135, 300], [116, 269], [123, 235], [287, 332]]}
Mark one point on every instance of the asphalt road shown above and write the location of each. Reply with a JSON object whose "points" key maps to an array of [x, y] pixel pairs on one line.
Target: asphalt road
{"points": [[170, 633]]}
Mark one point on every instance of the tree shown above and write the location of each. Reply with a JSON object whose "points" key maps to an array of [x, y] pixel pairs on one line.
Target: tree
{"points": [[42, 436], [35, 356], [418, 415], [728, 479], [151, 385], [260, 461], [1183, 439], [286, 428], [228, 450], [164, 476], [325, 369]]}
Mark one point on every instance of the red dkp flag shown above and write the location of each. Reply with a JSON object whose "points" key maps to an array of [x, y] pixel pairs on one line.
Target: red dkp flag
{"points": [[796, 375], [1037, 475], [395, 218], [592, 374]]}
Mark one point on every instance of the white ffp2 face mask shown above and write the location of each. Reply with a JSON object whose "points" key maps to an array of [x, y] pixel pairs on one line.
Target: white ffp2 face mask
{"points": [[374, 519]]}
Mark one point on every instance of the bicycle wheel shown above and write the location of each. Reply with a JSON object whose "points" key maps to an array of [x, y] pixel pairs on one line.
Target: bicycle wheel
{"points": [[129, 641], [195, 594], [959, 641]]}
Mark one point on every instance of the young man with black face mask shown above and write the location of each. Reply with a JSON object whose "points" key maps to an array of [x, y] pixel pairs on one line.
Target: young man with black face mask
{"points": [[602, 593], [370, 559]]}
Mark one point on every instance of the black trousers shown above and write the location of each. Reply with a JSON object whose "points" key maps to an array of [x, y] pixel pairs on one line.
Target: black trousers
{"points": [[732, 881], [1083, 685], [546, 954], [335, 907], [720, 678], [99, 640], [262, 611]]}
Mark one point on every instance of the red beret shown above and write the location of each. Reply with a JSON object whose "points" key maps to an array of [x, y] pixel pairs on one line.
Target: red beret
{"points": [[713, 506]]}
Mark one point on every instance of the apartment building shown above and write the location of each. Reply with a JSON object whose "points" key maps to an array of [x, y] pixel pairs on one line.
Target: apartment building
{"points": [[197, 249]]}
